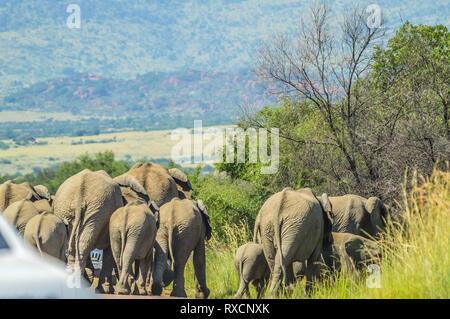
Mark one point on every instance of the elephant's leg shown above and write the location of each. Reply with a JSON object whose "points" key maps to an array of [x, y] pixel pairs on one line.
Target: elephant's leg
{"points": [[82, 251], [181, 257], [105, 277], [259, 285], [290, 278], [128, 258], [243, 289], [277, 276], [89, 271], [312, 268], [199, 260], [144, 267], [160, 264]]}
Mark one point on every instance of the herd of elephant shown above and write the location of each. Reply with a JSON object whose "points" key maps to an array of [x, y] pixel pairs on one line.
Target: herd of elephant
{"points": [[147, 226]]}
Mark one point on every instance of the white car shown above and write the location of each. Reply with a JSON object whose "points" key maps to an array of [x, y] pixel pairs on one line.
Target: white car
{"points": [[25, 274]]}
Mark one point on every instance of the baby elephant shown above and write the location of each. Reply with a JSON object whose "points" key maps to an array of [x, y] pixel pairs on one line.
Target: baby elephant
{"points": [[252, 267], [351, 252], [348, 253], [48, 233], [132, 231]]}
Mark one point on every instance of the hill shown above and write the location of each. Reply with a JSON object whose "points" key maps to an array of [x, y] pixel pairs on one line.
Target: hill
{"points": [[123, 39]]}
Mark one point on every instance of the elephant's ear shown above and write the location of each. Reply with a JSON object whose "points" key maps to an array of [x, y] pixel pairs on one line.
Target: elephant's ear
{"points": [[202, 207], [377, 211], [178, 175], [126, 180], [327, 218], [181, 179], [43, 192], [33, 194]]}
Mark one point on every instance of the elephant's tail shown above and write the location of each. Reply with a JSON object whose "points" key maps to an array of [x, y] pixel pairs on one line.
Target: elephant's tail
{"points": [[37, 233], [277, 228], [256, 231], [170, 236], [123, 236], [76, 225]]}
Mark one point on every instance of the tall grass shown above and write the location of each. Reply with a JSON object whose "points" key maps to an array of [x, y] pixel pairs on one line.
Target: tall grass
{"points": [[415, 250]]}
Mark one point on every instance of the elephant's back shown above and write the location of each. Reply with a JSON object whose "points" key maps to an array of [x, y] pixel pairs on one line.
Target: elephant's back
{"points": [[182, 215], [158, 183], [348, 213], [48, 226], [19, 213], [290, 203], [11, 193], [92, 190]]}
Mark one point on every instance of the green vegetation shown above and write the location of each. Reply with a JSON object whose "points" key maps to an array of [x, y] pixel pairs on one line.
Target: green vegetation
{"points": [[52, 178], [415, 263], [396, 117]]}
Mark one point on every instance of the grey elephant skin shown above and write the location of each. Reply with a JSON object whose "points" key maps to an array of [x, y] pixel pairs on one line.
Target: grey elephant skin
{"points": [[11, 193], [184, 227], [19, 213], [85, 202], [293, 225], [351, 252], [252, 267], [357, 215], [44, 193], [183, 184], [48, 233], [132, 231], [156, 180], [348, 253]]}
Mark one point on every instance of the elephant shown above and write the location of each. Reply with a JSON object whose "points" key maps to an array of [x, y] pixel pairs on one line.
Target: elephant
{"points": [[293, 225], [357, 215], [43, 192], [184, 227], [19, 213], [252, 267], [43, 205], [348, 253], [48, 233], [156, 180], [132, 231], [183, 184], [351, 252], [131, 189], [85, 202], [11, 192]]}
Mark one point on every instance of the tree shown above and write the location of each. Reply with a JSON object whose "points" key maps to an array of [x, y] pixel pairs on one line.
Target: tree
{"points": [[358, 114], [324, 67]]}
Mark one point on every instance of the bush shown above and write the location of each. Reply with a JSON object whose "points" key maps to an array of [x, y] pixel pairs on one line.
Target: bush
{"points": [[230, 203]]}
